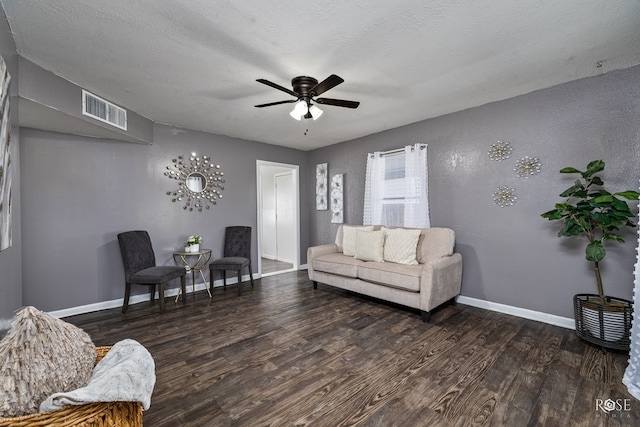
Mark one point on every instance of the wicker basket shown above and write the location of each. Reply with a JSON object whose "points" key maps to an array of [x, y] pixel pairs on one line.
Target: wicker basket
{"points": [[108, 414]]}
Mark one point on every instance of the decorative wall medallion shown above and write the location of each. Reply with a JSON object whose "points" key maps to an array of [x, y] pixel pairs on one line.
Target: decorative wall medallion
{"points": [[504, 196], [199, 182], [500, 151], [336, 199], [321, 186], [527, 167]]}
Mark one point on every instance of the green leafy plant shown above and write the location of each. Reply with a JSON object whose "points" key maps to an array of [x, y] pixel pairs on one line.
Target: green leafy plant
{"points": [[590, 210], [193, 240]]}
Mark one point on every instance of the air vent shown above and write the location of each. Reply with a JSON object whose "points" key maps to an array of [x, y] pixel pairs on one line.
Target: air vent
{"points": [[100, 109]]}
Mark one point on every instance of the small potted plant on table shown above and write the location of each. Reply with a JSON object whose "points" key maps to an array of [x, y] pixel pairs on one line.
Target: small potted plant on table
{"points": [[193, 243], [597, 214]]}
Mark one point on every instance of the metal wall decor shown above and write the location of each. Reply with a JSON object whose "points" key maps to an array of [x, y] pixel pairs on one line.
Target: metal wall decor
{"points": [[524, 168], [500, 151], [527, 167], [199, 182], [504, 196]]}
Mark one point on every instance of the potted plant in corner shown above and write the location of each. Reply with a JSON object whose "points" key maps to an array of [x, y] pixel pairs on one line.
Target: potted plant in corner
{"points": [[597, 214]]}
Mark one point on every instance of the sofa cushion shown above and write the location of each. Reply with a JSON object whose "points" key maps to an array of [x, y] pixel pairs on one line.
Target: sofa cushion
{"points": [[41, 355], [400, 245], [348, 242], [337, 263], [434, 243], [399, 276], [369, 245]]}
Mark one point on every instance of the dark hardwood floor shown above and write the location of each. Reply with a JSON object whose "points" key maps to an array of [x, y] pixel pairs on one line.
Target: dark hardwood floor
{"points": [[272, 265], [283, 354]]}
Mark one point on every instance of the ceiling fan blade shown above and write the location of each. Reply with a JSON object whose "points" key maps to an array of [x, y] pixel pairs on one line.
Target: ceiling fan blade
{"points": [[328, 83], [277, 86], [338, 102], [290, 101]]}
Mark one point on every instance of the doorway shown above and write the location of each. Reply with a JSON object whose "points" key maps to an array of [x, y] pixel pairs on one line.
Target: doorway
{"points": [[278, 218]]}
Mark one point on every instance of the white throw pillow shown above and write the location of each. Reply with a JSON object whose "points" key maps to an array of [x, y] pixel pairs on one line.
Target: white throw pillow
{"points": [[369, 245], [349, 238], [400, 245]]}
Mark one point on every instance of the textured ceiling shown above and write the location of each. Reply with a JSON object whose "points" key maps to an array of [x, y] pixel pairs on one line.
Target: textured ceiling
{"points": [[194, 63]]}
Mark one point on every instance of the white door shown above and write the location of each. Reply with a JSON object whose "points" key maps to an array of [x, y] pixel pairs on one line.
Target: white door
{"points": [[286, 228], [285, 211]]}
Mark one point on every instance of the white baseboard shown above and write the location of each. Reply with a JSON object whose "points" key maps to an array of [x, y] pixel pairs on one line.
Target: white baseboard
{"points": [[552, 319], [564, 322], [141, 298], [303, 267]]}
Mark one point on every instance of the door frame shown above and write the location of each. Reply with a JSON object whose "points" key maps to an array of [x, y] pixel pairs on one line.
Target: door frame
{"points": [[295, 173]]}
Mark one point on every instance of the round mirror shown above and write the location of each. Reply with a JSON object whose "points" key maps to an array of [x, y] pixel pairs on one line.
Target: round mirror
{"points": [[196, 182], [200, 182]]}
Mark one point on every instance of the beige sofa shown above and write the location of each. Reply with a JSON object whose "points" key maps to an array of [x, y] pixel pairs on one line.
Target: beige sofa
{"points": [[434, 280]]}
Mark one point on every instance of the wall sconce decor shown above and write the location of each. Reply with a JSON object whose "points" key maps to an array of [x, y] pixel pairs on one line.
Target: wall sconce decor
{"points": [[500, 151], [199, 182], [504, 196], [527, 167]]}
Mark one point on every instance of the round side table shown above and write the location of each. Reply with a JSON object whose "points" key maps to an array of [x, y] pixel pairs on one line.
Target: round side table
{"points": [[192, 262]]}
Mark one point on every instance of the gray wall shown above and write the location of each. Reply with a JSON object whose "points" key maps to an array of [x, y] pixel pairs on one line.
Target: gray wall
{"points": [[78, 193], [11, 258], [63, 99], [511, 255]]}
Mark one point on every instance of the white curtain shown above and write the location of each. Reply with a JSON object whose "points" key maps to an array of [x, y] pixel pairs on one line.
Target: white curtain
{"points": [[631, 376], [416, 208], [389, 200], [374, 189]]}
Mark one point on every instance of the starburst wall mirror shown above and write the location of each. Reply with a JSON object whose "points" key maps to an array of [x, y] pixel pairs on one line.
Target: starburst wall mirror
{"points": [[199, 182]]}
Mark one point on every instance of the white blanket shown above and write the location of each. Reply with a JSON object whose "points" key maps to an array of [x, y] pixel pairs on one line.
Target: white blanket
{"points": [[125, 374]]}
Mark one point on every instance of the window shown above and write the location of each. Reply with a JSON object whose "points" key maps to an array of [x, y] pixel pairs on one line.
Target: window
{"points": [[396, 188]]}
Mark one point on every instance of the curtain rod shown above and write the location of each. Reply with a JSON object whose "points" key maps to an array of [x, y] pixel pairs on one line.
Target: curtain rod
{"points": [[400, 150]]}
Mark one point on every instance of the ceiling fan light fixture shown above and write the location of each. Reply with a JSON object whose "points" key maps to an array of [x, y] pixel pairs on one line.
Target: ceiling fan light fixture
{"points": [[315, 112], [300, 110], [295, 115], [305, 90]]}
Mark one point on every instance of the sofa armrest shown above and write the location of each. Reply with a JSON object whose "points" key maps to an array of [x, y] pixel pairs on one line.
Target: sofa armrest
{"points": [[316, 251], [441, 281]]}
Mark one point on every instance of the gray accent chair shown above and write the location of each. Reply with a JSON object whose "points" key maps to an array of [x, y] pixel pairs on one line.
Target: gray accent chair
{"points": [[140, 267], [236, 255]]}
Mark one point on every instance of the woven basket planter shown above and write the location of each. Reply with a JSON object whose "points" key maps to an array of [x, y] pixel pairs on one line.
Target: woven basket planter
{"points": [[607, 325], [107, 414]]}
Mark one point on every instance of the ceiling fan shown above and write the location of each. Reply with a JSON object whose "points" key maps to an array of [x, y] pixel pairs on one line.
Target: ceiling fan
{"points": [[305, 90]]}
